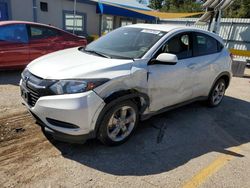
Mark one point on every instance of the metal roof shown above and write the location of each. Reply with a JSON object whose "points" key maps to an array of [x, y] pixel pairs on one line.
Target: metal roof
{"points": [[126, 4]]}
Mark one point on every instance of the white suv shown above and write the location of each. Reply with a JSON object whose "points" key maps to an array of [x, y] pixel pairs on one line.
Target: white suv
{"points": [[128, 75]]}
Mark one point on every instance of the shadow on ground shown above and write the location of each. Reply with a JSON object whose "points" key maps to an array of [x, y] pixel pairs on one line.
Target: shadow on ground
{"points": [[169, 140], [10, 77]]}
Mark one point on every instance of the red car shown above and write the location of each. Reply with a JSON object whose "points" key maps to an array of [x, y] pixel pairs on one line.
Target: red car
{"points": [[22, 42]]}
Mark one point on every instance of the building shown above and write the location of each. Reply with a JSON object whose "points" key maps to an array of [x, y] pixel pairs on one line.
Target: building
{"points": [[93, 17]]}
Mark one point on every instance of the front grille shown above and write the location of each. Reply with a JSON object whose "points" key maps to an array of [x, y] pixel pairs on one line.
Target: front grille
{"points": [[33, 96], [34, 87]]}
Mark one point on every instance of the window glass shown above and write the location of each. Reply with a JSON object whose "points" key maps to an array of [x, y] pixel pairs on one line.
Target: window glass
{"points": [[44, 6], [107, 24], [39, 32], [77, 25], [14, 33], [205, 45], [179, 45], [126, 42], [126, 21], [140, 21]]}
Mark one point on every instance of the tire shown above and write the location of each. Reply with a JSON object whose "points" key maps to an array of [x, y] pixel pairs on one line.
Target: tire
{"points": [[217, 93], [47, 135], [118, 123]]}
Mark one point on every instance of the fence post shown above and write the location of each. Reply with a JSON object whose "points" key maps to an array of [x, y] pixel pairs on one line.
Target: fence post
{"points": [[229, 33]]}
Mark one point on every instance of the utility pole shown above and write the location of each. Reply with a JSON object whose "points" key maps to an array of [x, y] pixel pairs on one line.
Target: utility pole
{"points": [[74, 19]]}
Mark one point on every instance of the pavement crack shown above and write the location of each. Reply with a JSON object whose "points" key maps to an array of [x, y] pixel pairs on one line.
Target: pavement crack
{"points": [[161, 125]]}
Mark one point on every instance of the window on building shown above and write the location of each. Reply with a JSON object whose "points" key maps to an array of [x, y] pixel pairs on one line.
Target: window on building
{"points": [[107, 24], [44, 6], [125, 22], [140, 21], [14, 33], [77, 25], [39, 32]]}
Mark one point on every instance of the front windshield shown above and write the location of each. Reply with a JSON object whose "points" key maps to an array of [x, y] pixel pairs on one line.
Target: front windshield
{"points": [[126, 42]]}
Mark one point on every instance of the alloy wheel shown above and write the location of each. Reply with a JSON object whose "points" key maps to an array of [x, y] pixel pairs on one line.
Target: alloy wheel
{"points": [[121, 123], [218, 93]]}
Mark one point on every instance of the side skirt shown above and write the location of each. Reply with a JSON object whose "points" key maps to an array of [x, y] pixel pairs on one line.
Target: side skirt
{"points": [[168, 108]]}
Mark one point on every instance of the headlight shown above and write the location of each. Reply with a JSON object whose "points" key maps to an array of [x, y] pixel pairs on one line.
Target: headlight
{"points": [[75, 86], [25, 73]]}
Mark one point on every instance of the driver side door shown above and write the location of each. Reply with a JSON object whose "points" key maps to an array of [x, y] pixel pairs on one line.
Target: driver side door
{"points": [[172, 84]]}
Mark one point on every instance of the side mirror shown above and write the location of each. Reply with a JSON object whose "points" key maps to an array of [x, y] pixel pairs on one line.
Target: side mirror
{"points": [[166, 58]]}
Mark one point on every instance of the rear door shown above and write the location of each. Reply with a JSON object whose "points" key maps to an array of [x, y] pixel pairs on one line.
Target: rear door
{"points": [[43, 40], [205, 64], [14, 51], [68, 40]]}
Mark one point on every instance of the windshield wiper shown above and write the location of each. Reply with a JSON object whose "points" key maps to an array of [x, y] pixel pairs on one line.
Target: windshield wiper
{"points": [[97, 53]]}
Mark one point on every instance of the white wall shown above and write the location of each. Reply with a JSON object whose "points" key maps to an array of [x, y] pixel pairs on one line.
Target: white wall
{"points": [[22, 10], [54, 16]]}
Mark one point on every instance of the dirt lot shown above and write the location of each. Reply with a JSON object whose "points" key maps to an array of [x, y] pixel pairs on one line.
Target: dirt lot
{"points": [[188, 147]]}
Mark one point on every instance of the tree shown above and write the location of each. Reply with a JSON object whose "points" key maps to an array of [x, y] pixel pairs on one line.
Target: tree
{"points": [[181, 6], [239, 9], [155, 4]]}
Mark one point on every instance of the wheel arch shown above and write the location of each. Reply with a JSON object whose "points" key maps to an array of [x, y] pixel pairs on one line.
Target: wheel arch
{"points": [[225, 75], [139, 98]]}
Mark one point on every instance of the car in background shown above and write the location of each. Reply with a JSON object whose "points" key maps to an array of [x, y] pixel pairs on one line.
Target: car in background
{"points": [[21, 42]]}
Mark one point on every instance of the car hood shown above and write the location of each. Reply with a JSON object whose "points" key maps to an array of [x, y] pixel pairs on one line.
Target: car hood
{"points": [[72, 63]]}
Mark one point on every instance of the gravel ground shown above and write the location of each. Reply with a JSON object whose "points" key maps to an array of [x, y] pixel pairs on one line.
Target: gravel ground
{"points": [[10, 100], [166, 151]]}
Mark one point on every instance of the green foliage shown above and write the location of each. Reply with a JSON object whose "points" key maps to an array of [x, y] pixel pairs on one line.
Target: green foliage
{"points": [[181, 6], [156, 4], [239, 9]]}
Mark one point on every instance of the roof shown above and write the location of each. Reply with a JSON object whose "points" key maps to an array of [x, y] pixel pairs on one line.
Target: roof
{"points": [[26, 22], [18, 22], [168, 27], [160, 27], [126, 4], [132, 8], [167, 15]]}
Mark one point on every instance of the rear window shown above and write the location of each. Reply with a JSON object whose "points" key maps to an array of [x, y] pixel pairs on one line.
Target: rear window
{"points": [[40, 32], [205, 45], [14, 33]]}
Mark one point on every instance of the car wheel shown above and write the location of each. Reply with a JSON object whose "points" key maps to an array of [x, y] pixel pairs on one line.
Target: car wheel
{"points": [[47, 135], [118, 123], [217, 93]]}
